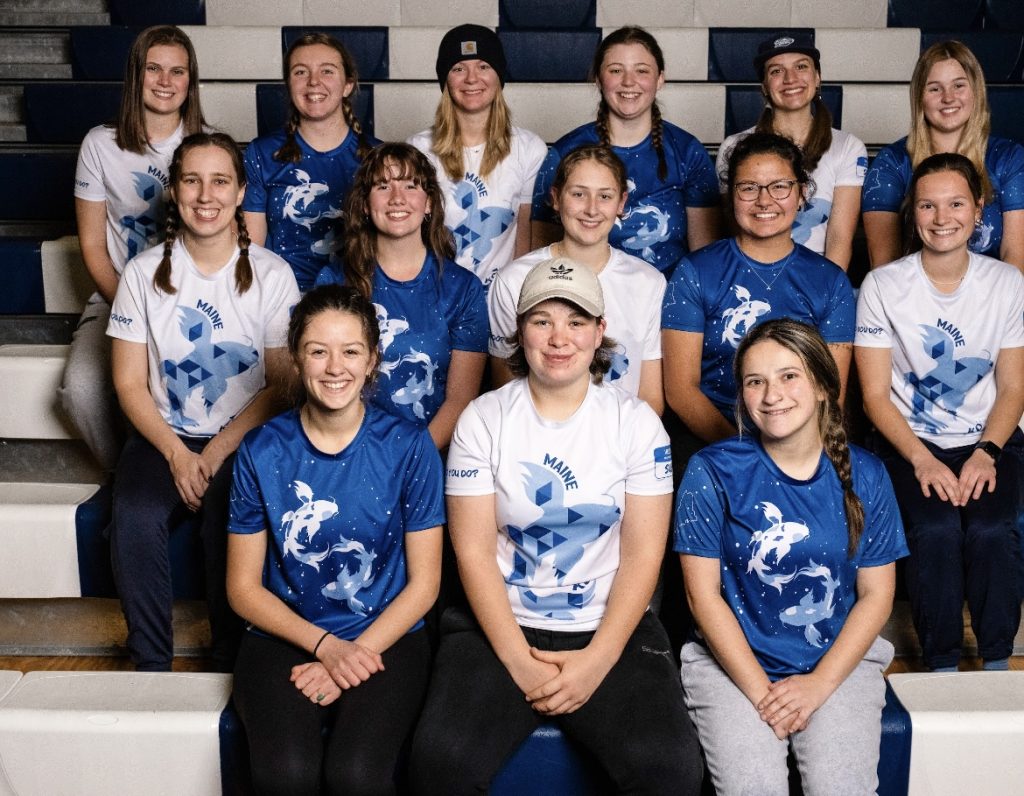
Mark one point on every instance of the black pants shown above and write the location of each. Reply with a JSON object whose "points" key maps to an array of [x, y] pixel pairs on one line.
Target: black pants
{"points": [[635, 723], [367, 725]]}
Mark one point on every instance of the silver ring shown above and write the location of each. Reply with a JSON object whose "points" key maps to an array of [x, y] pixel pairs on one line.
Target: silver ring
{"points": [[320, 697]]}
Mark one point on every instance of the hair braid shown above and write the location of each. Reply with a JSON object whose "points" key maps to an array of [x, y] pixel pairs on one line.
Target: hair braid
{"points": [[838, 452], [289, 151], [363, 146], [243, 267], [162, 277], [602, 123], [656, 139]]}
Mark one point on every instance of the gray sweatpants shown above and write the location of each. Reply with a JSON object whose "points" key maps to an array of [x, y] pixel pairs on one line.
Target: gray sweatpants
{"points": [[837, 753]]}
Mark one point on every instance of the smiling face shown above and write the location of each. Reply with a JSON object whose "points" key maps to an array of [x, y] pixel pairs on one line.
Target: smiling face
{"points": [[334, 360], [165, 80], [790, 81], [317, 82], [779, 395], [473, 85], [765, 217], [588, 203], [944, 211], [397, 204], [559, 341], [629, 80], [948, 99], [208, 192]]}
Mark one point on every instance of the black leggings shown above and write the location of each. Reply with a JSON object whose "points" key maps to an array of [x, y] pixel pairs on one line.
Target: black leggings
{"points": [[367, 725]]}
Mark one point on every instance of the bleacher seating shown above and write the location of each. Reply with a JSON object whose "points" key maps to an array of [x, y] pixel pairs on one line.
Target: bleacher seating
{"points": [[36, 185], [1004, 14], [100, 52], [935, 14], [164, 12], [540, 56], [543, 15], [1000, 52], [367, 45], [63, 112]]}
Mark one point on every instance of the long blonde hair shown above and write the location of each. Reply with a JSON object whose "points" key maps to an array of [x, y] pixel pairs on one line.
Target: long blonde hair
{"points": [[448, 137], [974, 139]]}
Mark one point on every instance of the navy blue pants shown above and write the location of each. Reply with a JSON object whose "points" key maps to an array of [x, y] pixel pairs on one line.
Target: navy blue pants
{"points": [[635, 724], [971, 551], [146, 507]]}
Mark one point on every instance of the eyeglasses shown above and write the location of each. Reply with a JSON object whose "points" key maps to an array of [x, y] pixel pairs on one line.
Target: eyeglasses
{"points": [[749, 191]]}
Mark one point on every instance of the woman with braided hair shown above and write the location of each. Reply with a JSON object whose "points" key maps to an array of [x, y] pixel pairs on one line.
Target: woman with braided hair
{"points": [[299, 176], [788, 538], [673, 205], [199, 327]]}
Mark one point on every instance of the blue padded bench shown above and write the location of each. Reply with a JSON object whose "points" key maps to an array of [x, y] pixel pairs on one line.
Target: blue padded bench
{"points": [[144, 13], [1007, 106], [63, 112], [37, 185], [743, 105], [935, 14], [545, 15], [21, 274], [1000, 52], [731, 53], [100, 52], [548, 764], [549, 56], [1004, 14], [272, 107], [368, 45]]}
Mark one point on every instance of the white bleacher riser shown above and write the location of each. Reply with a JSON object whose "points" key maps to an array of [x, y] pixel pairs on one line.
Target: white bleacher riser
{"points": [[840, 14], [877, 115], [37, 535], [351, 12], [685, 50], [613, 14], [30, 409], [412, 53], [698, 109], [401, 109], [246, 12], [8, 680], [968, 732], [231, 108], [741, 14], [868, 55], [105, 733], [237, 52], [450, 13], [66, 282], [551, 109]]}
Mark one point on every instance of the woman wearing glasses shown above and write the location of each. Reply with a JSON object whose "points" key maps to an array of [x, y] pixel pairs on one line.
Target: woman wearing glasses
{"points": [[719, 293]]}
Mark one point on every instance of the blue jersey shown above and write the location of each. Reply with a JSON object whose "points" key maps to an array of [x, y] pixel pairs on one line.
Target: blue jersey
{"points": [[783, 542], [888, 180], [302, 201], [722, 294], [653, 224], [336, 523], [421, 322]]}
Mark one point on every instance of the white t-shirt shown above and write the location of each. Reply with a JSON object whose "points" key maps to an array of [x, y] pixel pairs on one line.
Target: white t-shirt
{"points": [[205, 342], [844, 164], [133, 186], [559, 491], [944, 345], [633, 293], [482, 213]]}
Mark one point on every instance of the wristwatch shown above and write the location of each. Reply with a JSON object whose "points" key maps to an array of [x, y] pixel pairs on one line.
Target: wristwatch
{"points": [[990, 448]]}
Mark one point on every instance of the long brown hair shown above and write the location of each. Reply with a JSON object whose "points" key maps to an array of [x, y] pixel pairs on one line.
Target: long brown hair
{"points": [[243, 267], [290, 151], [631, 35], [819, 139], [360, 244], [806, 342], [974, 139], [130, 132]]}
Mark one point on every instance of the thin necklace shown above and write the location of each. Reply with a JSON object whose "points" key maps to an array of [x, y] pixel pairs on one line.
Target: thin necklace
{"points": [[956, 281], [752, 266]]}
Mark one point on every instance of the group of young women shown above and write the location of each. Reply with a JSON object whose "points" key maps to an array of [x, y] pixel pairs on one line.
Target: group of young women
{"points": [[364, 284]]}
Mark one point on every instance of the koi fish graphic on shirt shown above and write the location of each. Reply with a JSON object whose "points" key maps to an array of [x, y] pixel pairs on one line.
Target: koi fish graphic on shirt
{"points": [[298, 208], [741, 319], [810, 611], [772, 545]]}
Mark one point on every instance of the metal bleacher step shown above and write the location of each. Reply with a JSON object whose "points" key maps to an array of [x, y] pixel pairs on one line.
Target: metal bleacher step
{"points": [[36, 13], [43, 54], [10, 104]]}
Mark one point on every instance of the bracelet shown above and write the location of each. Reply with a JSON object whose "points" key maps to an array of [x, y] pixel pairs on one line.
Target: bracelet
{"points": [[321, 641]]}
